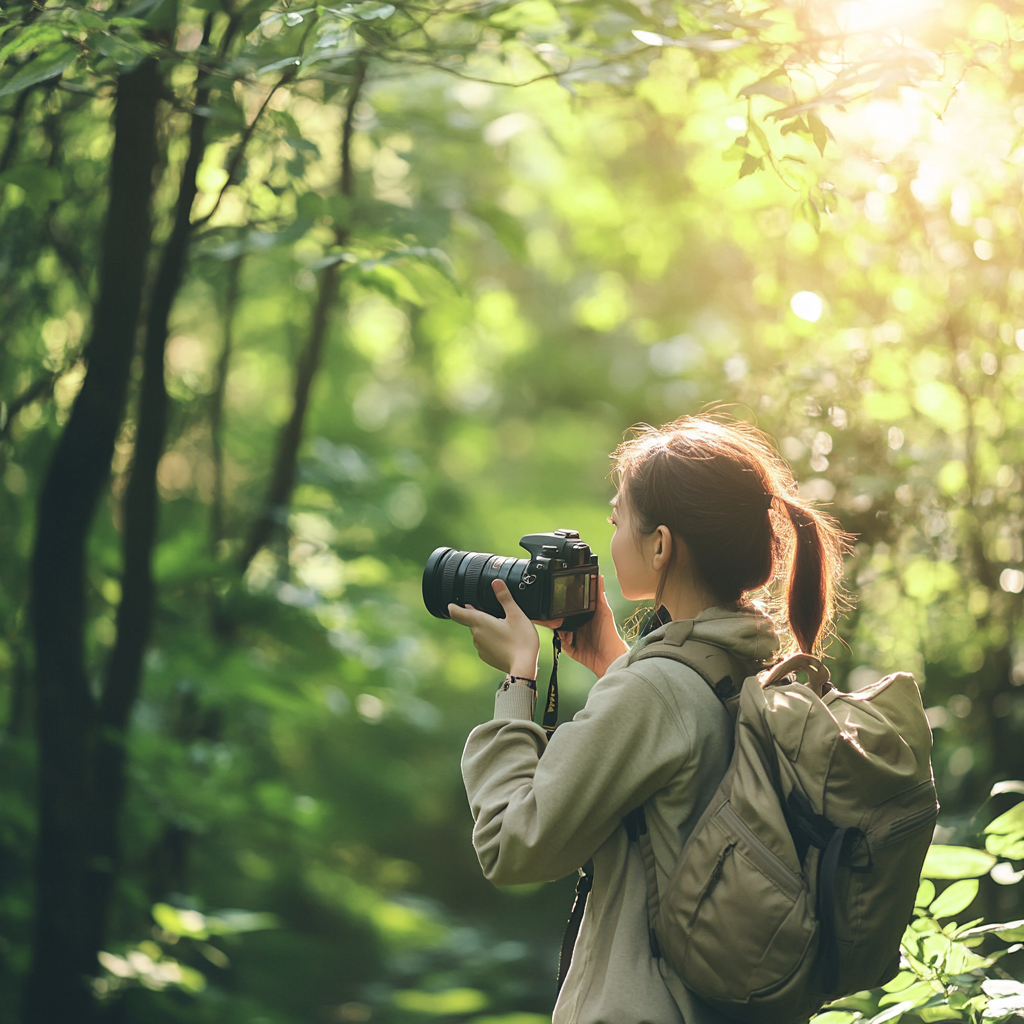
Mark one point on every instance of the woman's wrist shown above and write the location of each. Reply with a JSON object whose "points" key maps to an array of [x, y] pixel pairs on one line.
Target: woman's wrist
{"points": [[526, 681], [524, 669]]}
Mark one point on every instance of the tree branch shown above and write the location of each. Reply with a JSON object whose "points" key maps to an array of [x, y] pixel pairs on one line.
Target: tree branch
{"points": [[217, 403], [282, 480], [37, 389]]}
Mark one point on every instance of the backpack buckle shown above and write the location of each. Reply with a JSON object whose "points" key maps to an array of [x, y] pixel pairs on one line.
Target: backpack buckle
{"points": [[818, 679]]}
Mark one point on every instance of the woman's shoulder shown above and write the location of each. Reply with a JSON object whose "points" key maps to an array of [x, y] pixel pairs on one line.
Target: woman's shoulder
{"points": [[664, 681]]}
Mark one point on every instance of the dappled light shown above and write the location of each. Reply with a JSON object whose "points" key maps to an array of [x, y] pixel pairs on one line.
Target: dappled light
{"points": [[296, 294]]}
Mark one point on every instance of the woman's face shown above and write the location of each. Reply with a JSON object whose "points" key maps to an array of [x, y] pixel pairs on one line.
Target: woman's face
{"points": [[637, 577]]}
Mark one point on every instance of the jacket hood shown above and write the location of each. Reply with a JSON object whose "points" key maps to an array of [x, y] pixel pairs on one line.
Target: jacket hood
{"points": [[744, 629]]}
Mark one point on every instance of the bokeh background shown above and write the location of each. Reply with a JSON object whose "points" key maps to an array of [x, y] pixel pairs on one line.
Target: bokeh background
{"points": [[439, 257]]}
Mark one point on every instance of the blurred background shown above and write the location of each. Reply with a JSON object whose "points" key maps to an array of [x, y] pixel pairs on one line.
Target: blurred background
{"points": [[408, 273]]}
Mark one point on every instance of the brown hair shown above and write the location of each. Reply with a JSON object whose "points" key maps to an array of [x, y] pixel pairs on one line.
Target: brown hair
{"points": [[721, 487]]}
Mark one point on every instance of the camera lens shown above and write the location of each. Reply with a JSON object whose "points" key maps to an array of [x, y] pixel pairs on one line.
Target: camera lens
{"points": [[465, 577], [475, 566]]}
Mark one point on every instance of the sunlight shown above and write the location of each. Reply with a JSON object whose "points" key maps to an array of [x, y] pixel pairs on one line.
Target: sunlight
{"points": [[856, 16], [808, 306]]}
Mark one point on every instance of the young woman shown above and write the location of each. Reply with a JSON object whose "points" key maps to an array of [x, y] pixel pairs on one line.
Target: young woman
{"points": [[705, 514]]}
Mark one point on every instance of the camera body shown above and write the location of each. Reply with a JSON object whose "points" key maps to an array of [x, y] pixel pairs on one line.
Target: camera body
{"points": [[557, 581]]}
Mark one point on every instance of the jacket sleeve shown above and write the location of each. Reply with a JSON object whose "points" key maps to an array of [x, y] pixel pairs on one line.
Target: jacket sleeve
{"points": [[538, 818]]}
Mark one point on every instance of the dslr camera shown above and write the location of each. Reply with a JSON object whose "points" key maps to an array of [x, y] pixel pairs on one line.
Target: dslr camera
{"points": [[557, 581]]}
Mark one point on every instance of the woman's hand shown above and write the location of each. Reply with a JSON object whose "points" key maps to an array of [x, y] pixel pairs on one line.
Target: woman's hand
{"points": [[598, 642], [509, 644]]}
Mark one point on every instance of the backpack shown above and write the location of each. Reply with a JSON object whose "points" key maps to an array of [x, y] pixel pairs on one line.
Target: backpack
{"points": [[799, 878]]}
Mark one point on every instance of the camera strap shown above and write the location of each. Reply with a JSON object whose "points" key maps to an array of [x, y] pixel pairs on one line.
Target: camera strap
{"points": [[550, 719]]}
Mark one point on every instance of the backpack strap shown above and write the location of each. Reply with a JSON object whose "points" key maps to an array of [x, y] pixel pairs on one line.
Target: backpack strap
{"points": [[724, 672], [721, 668]]}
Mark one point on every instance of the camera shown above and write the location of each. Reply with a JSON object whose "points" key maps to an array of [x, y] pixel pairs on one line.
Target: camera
{"points": [[557, 581]]}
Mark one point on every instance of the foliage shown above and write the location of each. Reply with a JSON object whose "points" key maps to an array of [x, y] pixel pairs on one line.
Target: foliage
{"points": [[521, 274]]}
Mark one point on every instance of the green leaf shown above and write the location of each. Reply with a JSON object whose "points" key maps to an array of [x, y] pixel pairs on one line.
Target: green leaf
{"points": [[750, 164], [1009, 823], [891, 1013], [31, 38], [758, 132], [771, 85], [997, 928], [47, 65], [819, 132], [1010, 847], [738, 150], [859, 1002], [810, 211], [118, 51], [798, 124], [916, 995], [235, 922], [88, 19], [507, 229], [369, 11], [278, 64], [389, 281], [956, 862], [925, 893], [902, 981], [959, 896], [1009, 785], [187, 923]]}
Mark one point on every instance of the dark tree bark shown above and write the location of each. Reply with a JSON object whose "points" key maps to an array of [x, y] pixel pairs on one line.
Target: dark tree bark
{"points": [[282, 479], [62, 953], [135, 611]]}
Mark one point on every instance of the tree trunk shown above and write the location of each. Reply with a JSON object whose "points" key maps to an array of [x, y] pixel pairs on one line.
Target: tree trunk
{"points": [[135, 611], [62, 953], [282, 480]]}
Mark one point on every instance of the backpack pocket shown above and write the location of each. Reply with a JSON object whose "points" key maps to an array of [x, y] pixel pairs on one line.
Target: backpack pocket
{"points": [[751, 909]]}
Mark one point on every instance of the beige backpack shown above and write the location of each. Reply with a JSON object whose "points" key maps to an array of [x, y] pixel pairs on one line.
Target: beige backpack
{"points": [[798, 880]]}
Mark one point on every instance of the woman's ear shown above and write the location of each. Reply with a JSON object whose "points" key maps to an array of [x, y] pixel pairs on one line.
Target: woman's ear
{"points": [[662, 553]]}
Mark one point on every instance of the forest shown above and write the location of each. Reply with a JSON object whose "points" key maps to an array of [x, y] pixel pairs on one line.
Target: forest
{"points": [[293, 293]]}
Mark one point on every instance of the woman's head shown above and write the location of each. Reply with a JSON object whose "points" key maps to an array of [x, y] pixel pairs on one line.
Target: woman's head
{"points": [[721, 488]]}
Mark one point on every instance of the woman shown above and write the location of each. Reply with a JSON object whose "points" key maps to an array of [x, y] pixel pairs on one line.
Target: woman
{"points": [[705, 514]]}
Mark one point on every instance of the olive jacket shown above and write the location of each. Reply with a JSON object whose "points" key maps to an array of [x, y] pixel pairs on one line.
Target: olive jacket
{"points": [[651, 732]]}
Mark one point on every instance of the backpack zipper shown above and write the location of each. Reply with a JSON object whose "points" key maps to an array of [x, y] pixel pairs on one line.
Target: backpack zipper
{"points": [[770, 863], [710, 884], [908, 825]]}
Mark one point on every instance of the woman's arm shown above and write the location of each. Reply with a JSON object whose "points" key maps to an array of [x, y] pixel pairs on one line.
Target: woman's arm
{"points": [[538, 818]]}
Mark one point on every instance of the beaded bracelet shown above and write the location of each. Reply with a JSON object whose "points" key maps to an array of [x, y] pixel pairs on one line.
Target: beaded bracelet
{"points": [[522, 680]]}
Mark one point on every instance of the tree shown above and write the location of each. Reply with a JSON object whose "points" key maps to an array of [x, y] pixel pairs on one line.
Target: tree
{"points": [[502, 281]]}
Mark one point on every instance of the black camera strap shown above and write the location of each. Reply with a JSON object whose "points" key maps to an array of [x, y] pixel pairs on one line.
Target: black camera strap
{"points": [[550, 719]]}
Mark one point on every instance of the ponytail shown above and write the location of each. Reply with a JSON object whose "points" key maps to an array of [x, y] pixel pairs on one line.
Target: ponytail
{"points": [[721, 487], [814, 569]]}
